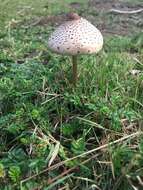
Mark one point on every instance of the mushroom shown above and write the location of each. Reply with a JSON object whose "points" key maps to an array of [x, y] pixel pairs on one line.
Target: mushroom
{"points": [[75, 36]]}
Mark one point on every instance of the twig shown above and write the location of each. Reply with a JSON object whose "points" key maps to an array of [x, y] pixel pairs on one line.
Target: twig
{"points": [[94, 124], [61, 175], [87, 180], [33, 24], [64, 188], [83, 154], [126, 12], [48, 100]]}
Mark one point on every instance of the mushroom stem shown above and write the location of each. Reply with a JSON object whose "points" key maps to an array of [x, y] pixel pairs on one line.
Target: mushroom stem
{"points": [[74, 69]]}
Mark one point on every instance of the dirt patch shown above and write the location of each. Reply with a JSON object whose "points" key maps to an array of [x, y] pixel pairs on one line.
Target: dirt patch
{"points": [[102, 4], [52, 20], [115, 23], [117, 4], [75, 5], [100, 14], [56, 20]]}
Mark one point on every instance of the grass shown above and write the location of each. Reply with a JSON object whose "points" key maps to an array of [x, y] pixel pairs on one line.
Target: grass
{"points": [[53, 137]]}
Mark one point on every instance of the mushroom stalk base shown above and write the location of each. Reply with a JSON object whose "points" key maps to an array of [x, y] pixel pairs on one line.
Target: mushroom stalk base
{"points": [[74, 69]]}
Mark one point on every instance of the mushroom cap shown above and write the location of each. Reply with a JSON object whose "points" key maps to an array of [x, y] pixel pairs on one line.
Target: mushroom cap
{"points": [[76, 36]]}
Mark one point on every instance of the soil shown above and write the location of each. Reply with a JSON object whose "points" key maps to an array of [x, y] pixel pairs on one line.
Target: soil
{"points": [[116, 23], [100, 14]]}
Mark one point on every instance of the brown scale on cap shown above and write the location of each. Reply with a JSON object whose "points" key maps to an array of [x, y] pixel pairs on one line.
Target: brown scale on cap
{"points": [[73, 16]]}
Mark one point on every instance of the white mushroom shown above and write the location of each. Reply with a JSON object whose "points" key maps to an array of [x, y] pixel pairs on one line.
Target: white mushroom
{"points": [[76, 36]]}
